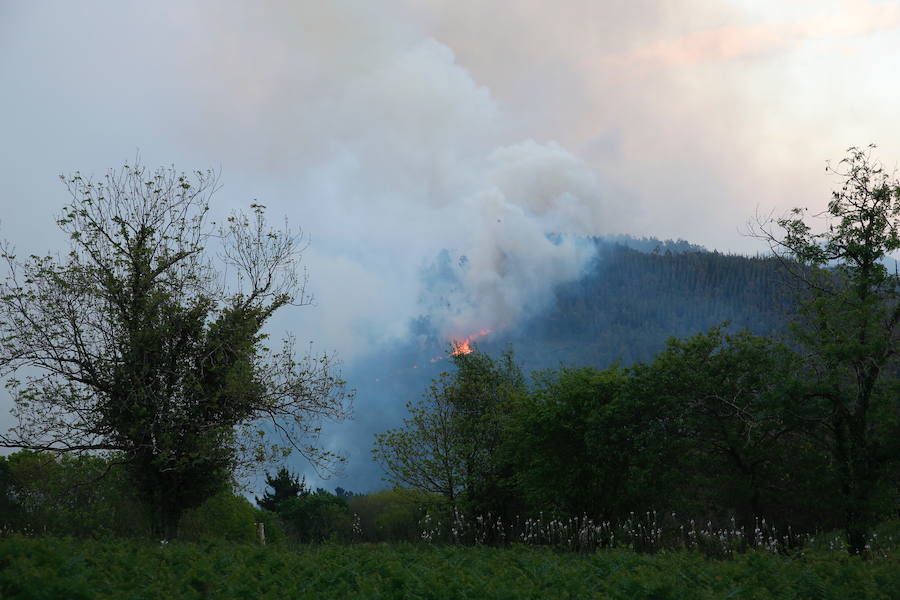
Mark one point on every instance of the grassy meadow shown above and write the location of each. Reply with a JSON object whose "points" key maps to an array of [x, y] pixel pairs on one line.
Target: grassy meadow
{"points": [[59, 568]]}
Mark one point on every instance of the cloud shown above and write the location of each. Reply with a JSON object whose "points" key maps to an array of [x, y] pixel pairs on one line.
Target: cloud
{"points": [[856, 18]]}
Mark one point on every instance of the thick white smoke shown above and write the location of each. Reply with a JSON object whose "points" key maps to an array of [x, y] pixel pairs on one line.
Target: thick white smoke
{"points": [[530, 200], [393, 153]]}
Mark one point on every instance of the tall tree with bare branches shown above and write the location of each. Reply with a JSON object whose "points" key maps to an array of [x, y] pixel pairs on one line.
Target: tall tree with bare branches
{"points": [[136, 345]]}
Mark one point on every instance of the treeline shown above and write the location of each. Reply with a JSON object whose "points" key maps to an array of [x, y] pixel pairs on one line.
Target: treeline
{"points": [[89, 496], [93, 497], [710, 431], [705, 447]]}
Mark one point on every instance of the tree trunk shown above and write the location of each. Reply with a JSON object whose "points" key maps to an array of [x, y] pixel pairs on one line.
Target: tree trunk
{"points": [[859, 479], [166, 519]]}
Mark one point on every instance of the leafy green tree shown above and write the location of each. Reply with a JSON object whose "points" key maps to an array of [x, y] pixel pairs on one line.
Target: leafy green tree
{"points": [[566, 442], [710, 428], [424, 454], [729, 405], [221, 516], [849, 324], [484, 394], [450, 443], [306, 515], [147, 350], [316, 517]]}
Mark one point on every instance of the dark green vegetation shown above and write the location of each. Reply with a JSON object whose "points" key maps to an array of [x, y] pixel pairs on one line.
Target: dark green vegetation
{"points": [[99, 570], [777, 448], [88, 497], [148, 354], [848, 323], [801, 431], [708, 431]]}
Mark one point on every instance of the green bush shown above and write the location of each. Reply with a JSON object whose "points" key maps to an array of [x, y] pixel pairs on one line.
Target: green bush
{"points": [[224, 516], [82, 496], [316, 517], [393, 515], [273, 526]]}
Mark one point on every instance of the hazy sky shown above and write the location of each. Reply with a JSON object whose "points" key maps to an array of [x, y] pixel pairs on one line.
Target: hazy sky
{"points": [[391, 130]]}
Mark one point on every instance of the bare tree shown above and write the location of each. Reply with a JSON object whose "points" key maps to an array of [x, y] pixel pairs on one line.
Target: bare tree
{"points": [[148, 352]]}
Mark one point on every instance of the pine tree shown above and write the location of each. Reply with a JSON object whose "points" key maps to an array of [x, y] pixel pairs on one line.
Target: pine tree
{"points": [[284, 487]]}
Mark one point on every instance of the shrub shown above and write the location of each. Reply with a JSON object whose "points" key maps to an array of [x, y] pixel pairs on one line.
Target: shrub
{"points": [[316, 517], [223, 516], [82, 496], [392, 515]]}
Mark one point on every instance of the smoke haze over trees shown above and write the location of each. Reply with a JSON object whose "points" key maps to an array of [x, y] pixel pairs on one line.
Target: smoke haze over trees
{"points": [[464, 171], [633, 296]]}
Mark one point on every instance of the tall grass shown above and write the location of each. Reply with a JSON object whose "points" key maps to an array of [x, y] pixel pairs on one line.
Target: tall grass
{"points": [[646, 532]]}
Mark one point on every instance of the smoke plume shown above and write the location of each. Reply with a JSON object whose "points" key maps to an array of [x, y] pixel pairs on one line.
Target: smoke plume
{"points": [[394, 153]]}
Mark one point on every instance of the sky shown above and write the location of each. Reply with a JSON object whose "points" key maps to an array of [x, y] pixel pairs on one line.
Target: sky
{"points": [[389, 131]]}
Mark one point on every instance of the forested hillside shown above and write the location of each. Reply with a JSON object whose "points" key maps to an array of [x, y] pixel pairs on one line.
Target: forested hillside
{"points": [[636, 294]]}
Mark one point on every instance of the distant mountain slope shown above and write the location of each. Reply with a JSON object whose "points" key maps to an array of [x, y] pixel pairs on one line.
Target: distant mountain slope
{"points": [[624, 308], [629, 302]]}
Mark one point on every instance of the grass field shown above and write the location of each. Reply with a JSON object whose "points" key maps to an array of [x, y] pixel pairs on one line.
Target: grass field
{"points": [[57, 569]]}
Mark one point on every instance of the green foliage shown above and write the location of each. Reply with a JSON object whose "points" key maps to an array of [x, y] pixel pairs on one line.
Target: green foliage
{"points": [[304, 515], [450, 443], [393, 515], [83, 496], [727, 405], [316, 517], [849, 324], [272, 526], [284, 487], [719, 428], [49, 568], [565, 443], [424, 453], [224, 516], [149, 351], [8, 505]]}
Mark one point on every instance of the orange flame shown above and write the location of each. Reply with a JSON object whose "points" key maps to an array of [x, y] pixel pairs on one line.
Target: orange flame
{"points": [[461, 348], [464, 346]]}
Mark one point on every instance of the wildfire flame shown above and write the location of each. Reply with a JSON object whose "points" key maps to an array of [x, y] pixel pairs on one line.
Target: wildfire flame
{"points": [[464, 346]]}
